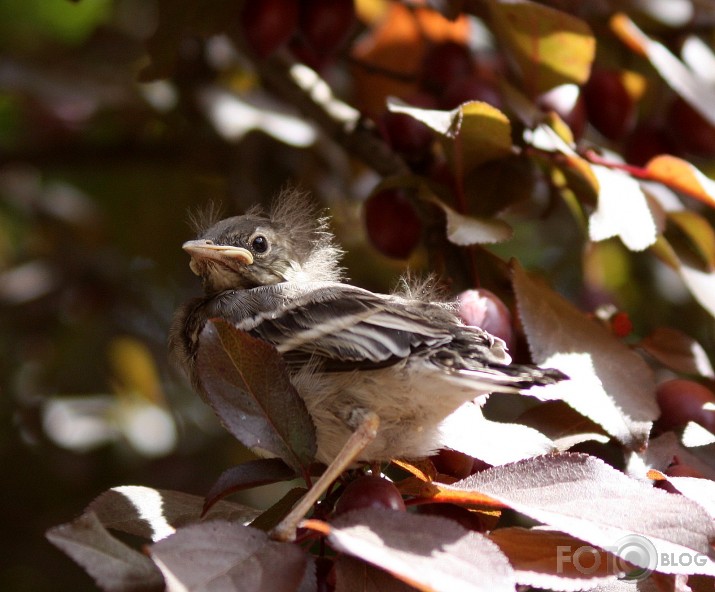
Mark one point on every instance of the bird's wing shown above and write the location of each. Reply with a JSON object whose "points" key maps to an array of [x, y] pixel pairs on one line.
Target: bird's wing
{"points": [[343, 326]]}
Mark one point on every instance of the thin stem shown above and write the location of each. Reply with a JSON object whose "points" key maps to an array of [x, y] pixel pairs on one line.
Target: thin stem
{"points": [[358, 441]]}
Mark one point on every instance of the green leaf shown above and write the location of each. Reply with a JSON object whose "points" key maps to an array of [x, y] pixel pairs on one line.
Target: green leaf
{"points": [[482, 133], [699, 234], [55, 19], [245, 381], [549, 47]]}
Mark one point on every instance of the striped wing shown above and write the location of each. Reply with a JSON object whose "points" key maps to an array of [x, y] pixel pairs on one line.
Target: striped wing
{"points": [[343, 327], [347, 327]]}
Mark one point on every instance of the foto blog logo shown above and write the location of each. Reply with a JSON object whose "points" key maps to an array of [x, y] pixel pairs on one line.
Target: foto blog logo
{"points": [[632, 557]]}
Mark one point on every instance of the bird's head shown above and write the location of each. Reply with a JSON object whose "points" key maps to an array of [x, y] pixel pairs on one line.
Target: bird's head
{"points": [[292, 243]]}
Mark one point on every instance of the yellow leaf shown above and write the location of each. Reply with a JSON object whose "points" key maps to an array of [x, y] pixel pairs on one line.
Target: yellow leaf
{"points": [[699, 232], [483, 133], [134, 368], [682, 176], [549, 47]]}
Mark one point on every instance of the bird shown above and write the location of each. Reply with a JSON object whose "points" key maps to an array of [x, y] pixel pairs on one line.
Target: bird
{"points": [[404, 358]]}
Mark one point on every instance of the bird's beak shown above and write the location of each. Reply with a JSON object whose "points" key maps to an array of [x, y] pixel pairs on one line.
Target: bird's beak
{"points": [[226, 254]]}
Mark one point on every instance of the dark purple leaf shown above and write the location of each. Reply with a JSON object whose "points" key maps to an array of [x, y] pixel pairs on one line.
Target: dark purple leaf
{"points": [[516, 441], [156, 513], [249, 474], [680, 352], [222, 556], [586, 498], [428, 552], [664, 449], [353, 575], [609, 383], [701, 491], [114, 566], [245, 381], [554, 560], [273, 515]]}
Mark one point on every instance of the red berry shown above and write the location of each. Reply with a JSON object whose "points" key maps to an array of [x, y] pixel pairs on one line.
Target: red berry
{"points": [[481, 308], [646, 142], [610, 108], [268, 24], [443, 64], [370, 491], [326, 24], [682, 400], [568, 103], [689, 130], [409, 137], [453, 463], [392, 223], [621, 324]]}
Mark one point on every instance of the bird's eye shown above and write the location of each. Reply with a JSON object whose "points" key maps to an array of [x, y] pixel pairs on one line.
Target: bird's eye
{"points": [[260, 244]]}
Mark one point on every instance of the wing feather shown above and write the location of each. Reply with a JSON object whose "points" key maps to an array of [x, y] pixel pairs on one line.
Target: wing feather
{"points": [[340, 325]]}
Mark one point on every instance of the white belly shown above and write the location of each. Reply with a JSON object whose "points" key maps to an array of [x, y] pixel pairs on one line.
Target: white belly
{"points": [[411, 407]]}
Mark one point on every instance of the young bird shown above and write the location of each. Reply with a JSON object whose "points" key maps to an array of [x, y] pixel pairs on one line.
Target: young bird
{"points": [[351, 353]]}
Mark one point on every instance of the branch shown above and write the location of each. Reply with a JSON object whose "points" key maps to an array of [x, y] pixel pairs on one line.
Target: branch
{"points": [[310, 94]]}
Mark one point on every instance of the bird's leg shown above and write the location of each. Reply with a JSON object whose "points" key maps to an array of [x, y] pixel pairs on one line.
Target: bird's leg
{"points": [[365, 433]]}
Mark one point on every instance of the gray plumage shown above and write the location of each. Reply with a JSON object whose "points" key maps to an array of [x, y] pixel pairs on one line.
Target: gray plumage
{"points": [[409, 360]]}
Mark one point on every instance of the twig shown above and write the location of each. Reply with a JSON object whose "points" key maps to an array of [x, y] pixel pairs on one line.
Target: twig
{"points": [[309, 93]]}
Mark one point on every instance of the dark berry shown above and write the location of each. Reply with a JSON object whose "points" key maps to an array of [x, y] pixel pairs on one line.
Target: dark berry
{"points": [[326, 24], [444, 63], [370, 491], [268, 24], [610, 107], [453, 463], [392, 223], [682, 401], [689, 130], [646, 142], [462, 90], [408, 136]]}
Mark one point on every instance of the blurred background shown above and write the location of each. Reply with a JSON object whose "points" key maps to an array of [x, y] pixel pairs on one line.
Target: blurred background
{"points": [[102, 158], [98, 176]]}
